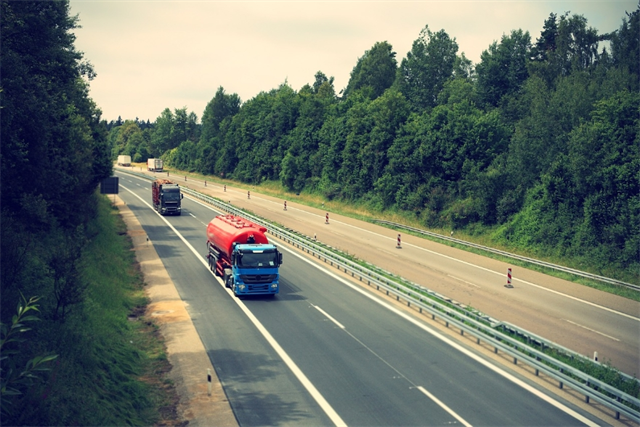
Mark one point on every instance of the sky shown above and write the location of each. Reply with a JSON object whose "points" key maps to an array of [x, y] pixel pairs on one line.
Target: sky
{"points": [[153, 54]]}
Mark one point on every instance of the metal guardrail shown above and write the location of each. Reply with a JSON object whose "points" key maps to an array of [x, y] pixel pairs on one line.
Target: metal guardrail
{"points": [[513, 256], [483, 328]]}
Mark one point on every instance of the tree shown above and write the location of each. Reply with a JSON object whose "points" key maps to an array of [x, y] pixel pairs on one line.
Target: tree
{"points": [[625, 45], [565, 45], [429, 64], [503, 67], [376, 69], [221, 107], [604, 166]]}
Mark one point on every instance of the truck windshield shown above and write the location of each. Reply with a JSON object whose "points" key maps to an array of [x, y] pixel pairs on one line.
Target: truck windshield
{"points": [[254, 260], [171, 195]]}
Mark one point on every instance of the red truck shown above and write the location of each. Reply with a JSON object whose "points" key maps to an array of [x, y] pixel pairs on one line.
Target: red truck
{"points": [[240, 253], [166, 197]]}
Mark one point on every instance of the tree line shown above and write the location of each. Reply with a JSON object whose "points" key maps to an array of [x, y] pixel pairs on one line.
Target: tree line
{"points": [[538, 141], [54, 154]]}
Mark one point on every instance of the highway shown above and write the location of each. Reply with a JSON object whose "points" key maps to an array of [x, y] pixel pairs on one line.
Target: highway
{"points": [[580, 318], [325, 352]]}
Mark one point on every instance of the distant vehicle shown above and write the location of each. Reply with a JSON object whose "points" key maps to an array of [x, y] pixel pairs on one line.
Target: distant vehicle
{"points": [[240, 253], [124, 160], [167, 198], [154, 165]]}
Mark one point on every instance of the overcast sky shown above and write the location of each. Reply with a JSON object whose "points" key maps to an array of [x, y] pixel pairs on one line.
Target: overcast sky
{"points": [[152, 55]]}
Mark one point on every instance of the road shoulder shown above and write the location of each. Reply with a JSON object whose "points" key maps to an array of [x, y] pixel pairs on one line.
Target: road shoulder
{"points": [[185, 350]]}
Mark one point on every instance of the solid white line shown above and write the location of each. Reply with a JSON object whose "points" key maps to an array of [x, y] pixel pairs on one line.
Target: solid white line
{"points": [[452, 343], [331, 413], [469, 264], [443, 406], [328, 317], [592, 330]]}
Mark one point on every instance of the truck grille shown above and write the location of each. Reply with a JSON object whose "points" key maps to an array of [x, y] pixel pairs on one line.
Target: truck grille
{"points": [[251, 279]]}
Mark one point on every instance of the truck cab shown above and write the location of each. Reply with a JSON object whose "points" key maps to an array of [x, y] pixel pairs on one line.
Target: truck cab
{"points": [[166, 197], [254, 269], [170, 199]]}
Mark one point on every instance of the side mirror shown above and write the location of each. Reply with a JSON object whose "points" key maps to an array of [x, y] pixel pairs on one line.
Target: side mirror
{"points": [[181, 196], [279, 258]]}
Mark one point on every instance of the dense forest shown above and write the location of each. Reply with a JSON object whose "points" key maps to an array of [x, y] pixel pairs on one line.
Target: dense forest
{"points": [[537, 143], [54, 154]]}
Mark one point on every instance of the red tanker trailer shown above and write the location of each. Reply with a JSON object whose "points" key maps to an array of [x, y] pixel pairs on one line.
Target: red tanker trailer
{"points": [[240, 253]]}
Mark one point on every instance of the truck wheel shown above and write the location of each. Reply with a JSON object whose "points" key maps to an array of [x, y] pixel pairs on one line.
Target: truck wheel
{"points": [[228, 282], [233, 287]]}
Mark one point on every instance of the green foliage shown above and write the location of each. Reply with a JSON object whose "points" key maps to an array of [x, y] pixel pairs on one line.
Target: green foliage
{"points": [[503, 68], [504, 145], [17, 379], [427, 67], [625, 46], [376, 70]]}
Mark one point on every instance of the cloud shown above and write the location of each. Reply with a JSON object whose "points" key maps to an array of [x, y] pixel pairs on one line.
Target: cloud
{"points": [[150, 55]]}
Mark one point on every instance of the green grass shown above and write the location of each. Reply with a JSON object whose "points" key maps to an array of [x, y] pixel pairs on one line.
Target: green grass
{"points": [[109, 370]]}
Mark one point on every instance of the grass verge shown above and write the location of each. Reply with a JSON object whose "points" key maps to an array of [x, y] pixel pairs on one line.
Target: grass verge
{"points": [[112, 363]]}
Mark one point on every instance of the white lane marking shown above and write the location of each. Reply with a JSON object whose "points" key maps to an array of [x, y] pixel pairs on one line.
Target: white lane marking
{"points": [[443, 406], [326, 407], [340, 325], [320, 400], [400, 374], [592, 330], [463, 281], [452, 343]]}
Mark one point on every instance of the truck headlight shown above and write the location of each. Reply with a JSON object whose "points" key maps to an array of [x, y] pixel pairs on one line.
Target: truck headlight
{"points": [[241, 287], [274, 285]]}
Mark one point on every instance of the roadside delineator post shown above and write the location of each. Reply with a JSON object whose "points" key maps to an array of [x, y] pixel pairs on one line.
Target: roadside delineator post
{"points": [[205, 183], [314, 236], [225, 188], [209, 382], [285, 205], [185, 178], [326, 218], [595, 356], [248, 194], [508, 285], [399, 243]]}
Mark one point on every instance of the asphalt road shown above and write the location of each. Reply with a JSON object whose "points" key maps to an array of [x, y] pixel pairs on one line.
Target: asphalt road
{"points": [[324, 352], [582, 319]]}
